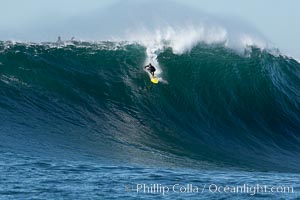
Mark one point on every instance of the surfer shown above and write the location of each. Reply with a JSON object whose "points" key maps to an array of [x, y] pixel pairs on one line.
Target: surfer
{"points": [[150, 68]]}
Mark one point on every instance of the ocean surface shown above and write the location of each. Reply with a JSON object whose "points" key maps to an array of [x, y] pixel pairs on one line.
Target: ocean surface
{"points": [[81, 120]]}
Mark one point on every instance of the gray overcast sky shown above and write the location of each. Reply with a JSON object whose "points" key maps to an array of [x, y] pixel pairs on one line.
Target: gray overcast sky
{"points": [[278, 20]]}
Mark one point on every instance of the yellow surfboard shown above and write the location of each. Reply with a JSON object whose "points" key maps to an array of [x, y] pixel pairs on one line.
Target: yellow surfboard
{"points": [[154, 80]]}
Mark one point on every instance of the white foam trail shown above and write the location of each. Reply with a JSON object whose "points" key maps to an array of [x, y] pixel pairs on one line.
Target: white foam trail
{"points": [[180, 40], [183, 38]]}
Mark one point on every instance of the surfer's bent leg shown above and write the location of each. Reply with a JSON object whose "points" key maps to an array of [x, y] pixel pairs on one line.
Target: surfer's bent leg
{"points": [[152, 71]]}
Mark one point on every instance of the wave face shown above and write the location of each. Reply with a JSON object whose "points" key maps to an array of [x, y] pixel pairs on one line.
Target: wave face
{"points": [[215, 106]]}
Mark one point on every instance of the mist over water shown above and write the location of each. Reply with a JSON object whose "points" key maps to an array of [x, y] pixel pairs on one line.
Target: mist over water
{"points": [[158, 25], [149, 22], [152, 23]]}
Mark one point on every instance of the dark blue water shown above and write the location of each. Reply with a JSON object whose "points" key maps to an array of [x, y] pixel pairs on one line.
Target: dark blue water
{"points": [[82, 121], [25, 177]]}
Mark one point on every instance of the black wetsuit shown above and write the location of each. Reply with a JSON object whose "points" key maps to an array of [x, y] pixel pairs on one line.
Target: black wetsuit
{"points": [[151, 69]]}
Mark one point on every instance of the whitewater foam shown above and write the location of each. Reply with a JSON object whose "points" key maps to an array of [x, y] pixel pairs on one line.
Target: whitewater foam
{"points": [[181, 39], [9, 80]]}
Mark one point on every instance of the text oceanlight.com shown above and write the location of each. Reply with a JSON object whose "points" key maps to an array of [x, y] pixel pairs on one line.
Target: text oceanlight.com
{"points": [[211, 188]]}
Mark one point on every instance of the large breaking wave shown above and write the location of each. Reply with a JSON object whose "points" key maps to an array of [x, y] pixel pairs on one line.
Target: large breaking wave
{"points": [[218, 106]]}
